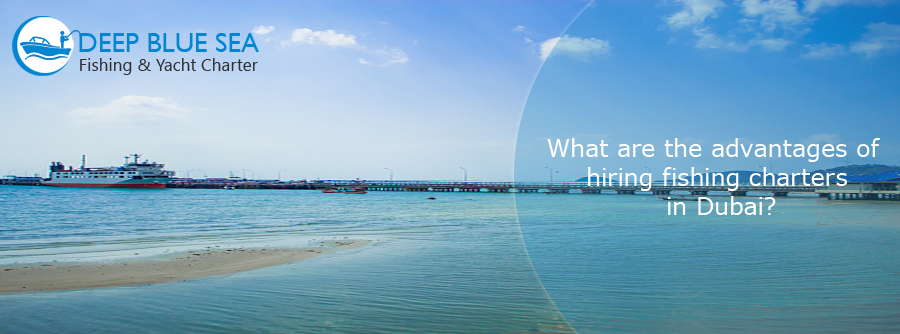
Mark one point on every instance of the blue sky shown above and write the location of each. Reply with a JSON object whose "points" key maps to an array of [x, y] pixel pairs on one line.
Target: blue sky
{"points": [[344, 89], [711, 71]]}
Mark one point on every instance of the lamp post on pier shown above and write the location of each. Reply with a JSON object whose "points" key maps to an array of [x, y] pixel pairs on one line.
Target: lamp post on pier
{"points": [[188, 172], [390, 173], [551, 174], [465, 174]]}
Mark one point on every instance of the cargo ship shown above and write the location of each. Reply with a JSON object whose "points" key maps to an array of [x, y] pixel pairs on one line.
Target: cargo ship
{"points": [[133, 174]]}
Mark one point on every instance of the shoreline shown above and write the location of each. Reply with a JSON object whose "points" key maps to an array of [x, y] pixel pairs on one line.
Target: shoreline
{"points": [[168, 268]]}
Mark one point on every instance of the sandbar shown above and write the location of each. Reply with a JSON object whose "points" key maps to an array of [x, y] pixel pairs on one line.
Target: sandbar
{"points": [[160, 269]]}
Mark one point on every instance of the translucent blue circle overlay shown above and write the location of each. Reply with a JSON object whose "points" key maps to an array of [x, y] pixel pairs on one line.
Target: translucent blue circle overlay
{"points": [[645, 72]]}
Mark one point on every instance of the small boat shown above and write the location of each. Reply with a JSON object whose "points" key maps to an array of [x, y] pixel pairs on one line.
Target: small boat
{"points": [[344, 191], [677, 198], [43, 47]]}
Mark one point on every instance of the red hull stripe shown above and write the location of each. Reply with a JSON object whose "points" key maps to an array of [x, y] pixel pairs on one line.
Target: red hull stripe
{"points": [[110, 185]]}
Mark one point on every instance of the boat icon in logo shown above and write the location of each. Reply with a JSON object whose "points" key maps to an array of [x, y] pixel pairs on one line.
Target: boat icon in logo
{"points": [[39, 45]]}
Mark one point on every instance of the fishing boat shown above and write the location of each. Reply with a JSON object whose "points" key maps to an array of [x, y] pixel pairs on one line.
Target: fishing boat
{"points": [[41, 46], [133, 174], [344, 191]]}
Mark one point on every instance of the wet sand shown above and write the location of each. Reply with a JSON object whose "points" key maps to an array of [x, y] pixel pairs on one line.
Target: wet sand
{"points": [[161, 269]]}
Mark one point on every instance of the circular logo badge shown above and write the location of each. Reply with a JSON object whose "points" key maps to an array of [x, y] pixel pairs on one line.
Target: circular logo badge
{"points": [[42, 46]]}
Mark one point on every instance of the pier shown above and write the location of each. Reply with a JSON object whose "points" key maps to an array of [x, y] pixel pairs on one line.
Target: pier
{"points": [[551, 188], [22, 181], [560, 188], [240, 184], [868, 195], [485, 187]]}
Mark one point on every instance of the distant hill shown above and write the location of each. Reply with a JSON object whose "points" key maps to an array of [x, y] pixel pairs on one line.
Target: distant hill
{"points": [[744, 175], [585, 179], [861, 169]]}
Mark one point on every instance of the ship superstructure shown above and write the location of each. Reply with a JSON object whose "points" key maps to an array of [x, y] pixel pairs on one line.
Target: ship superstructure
{"points": [[133, 174]]}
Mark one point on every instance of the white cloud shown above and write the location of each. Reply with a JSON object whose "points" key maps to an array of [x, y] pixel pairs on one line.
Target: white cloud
{"points": [[373, 57], [812, 6], [262, 30], [325, 37], [547, 46], [706, 39], [767, 14], [825, 138], [693, 13], [773, 25], [131, 108], [824, 51], [385, 57], [579, 48], [771, 44], [524, 30], [773, 14], [881, 37]]}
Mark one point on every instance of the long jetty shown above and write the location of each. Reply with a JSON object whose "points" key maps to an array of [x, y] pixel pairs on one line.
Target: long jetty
{"points": [[490, 187], [508, 187]]}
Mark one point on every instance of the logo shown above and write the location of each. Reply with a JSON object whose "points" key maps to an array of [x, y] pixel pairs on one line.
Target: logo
{"points": [[41, 45]]}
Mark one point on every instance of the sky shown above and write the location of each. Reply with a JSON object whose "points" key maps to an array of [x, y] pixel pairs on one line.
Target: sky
{"points": [[351, 89], [708, 72], [343, 89]]}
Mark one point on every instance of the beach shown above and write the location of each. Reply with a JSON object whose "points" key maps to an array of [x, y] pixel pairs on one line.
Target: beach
{"points": [[181, 266]]}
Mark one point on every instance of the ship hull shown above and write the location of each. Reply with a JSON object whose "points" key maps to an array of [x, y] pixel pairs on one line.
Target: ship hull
{"points": [[150, 183]]}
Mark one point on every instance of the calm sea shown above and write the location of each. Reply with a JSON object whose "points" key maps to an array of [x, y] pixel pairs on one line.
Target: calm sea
{"points": [[451, 265], [618, 263], [458, 264]]}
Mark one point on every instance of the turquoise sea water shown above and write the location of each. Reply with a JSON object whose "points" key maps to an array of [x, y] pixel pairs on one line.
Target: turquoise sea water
{"points": [[617, 263], [457, 264]]}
